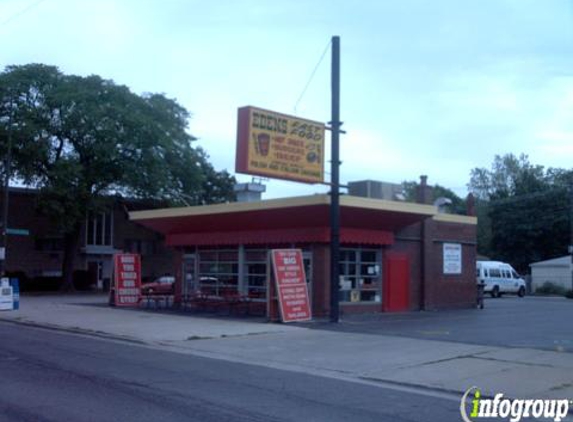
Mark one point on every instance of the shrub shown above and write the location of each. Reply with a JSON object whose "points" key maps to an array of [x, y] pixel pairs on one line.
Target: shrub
{"points": [[549, 288], [569, 294]]}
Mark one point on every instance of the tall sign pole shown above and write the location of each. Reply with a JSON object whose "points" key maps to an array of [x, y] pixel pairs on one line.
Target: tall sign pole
{"points": [[335, 183]]}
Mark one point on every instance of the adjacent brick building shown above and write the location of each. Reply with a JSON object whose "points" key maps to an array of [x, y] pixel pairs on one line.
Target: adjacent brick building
{"points": [[38, 254]]}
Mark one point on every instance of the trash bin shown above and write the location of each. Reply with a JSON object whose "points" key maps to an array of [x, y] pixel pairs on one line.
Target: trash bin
{"points": [[480, 289], [15, 292]]}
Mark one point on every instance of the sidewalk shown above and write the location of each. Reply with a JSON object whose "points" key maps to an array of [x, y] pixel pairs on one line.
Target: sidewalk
{"points": [[90, 313], [427, 365]]}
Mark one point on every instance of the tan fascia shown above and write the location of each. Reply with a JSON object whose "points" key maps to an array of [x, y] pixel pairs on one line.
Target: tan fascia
{"points": [[301, 201]]}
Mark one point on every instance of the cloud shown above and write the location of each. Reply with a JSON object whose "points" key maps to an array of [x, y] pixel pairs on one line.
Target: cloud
{"points": [[434, 87]]}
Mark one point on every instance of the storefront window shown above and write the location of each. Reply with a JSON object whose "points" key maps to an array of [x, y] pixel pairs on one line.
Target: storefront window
{"points": [[360, 279], [218, 271], [255, 270]]}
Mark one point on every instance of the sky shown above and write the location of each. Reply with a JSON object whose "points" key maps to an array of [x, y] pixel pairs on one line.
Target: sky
{"points": [[427, 87]]}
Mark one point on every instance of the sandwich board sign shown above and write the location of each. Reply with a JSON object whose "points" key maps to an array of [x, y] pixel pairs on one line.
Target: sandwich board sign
{"points": [[127, 279], [292, 290]]}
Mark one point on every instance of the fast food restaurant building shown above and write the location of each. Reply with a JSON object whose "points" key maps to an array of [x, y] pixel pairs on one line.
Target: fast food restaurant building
{"points": [[395, 256]]}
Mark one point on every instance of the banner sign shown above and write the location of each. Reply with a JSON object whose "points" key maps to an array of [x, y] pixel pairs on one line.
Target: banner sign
{"points": [[127, 276], [275, 145], [452, 258], [291, 285]]}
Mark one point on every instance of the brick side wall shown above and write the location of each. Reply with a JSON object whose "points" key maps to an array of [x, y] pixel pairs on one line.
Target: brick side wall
{"points": [[22, 255], [444, 290], [441, 291]]}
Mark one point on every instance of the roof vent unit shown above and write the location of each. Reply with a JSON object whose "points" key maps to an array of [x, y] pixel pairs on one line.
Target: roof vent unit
{"points": [[442, 203], [249, 192], [376, 190]]}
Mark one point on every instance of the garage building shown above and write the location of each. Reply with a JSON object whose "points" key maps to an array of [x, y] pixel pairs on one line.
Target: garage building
{"points": [[556, 271]]}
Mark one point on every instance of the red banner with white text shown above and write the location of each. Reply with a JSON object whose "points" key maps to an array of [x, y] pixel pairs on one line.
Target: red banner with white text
{"points": [[291, 285]]}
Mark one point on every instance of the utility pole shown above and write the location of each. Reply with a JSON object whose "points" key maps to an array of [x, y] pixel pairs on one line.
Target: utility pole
{"points": [[335, 183]]}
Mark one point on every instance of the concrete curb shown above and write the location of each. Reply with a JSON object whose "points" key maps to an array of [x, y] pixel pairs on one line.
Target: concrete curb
{"points": [[81, 331]]}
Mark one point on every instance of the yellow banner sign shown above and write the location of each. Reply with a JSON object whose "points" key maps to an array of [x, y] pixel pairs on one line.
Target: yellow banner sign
{"points": [[275, 145]]}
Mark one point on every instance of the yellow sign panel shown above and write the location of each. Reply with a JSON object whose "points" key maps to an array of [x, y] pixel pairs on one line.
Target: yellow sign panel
{"points": [[275, 145]]}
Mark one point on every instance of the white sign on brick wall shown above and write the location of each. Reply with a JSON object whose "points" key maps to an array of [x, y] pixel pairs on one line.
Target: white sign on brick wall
{"points": [[452, 258]]}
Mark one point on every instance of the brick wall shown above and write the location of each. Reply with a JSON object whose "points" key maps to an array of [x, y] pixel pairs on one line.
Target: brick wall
{"points": [[23, 254], [430, 289], [445, 290]]}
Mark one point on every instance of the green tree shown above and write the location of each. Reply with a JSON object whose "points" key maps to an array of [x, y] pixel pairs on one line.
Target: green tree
{"points": [[509, 176], [523, 210], [79, 139]]}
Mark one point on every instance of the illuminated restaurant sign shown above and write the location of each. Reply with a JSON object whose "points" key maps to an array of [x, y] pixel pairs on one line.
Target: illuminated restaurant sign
{"points": [[275, 145]]}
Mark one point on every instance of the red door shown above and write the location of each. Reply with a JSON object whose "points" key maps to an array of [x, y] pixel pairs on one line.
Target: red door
{"points": [[396, 283]]}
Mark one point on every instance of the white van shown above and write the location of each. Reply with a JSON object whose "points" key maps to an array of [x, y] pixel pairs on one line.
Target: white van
{"points": [[499, 278]]}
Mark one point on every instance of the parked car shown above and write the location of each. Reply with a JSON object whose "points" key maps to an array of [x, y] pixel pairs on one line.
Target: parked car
{"points": [[499, 278], [160, 286]]}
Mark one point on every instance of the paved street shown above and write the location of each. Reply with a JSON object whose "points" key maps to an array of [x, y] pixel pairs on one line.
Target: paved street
{"points": [[47, 376], [533, 322], [351, 368]]}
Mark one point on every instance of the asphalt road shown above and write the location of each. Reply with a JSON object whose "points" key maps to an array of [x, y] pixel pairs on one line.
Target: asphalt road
{"points": [[48, 376], [533, 322]]}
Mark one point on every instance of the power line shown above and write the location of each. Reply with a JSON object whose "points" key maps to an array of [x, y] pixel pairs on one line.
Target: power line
{"points": [[312, 76], [21, 12]]}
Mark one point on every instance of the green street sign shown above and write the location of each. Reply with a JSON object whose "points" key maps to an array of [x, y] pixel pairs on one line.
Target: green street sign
{"points": [[18, 232]]}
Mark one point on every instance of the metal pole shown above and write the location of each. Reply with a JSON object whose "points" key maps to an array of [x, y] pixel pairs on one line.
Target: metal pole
{"points": [[335, 181], [571, 226], [7, 165]]}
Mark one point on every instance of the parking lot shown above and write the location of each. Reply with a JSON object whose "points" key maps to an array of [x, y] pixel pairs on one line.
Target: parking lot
{"points": [[535, 322]]}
